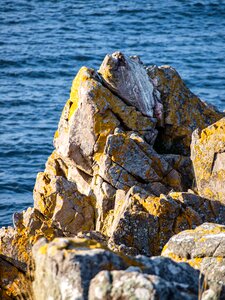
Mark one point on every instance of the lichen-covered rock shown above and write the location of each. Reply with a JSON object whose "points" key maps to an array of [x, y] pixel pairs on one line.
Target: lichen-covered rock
{"points": [[183, 111], [129, 160], [29, 226], [13, 282], [208, 157], [204, 249], [102, 112], [109, 179], [68, 265], [73, 268], [143, 223], [60, 202], [126, 285], [128, 78]]}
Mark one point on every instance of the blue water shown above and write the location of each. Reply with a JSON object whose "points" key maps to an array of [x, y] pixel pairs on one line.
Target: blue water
{"points": [[44, 43]]}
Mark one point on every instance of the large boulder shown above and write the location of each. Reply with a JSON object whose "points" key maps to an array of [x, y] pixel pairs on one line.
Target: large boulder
{"points": [[68, 265], [183, 111], [204, 249], [126, 285], [73, 268], [208, 157]]}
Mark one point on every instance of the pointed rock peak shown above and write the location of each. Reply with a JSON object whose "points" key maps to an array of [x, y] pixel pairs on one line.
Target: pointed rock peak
{"points": [[128, 78]]}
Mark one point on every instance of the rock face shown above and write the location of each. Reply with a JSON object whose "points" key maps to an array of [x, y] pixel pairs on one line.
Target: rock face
{"points": [[143, 223], [128, 78], [120, 174], [75, 267], [183, 111], [204, 249], [208, 157]]}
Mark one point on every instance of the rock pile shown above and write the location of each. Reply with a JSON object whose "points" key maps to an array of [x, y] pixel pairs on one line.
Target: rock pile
{"points": [[118, 187]]}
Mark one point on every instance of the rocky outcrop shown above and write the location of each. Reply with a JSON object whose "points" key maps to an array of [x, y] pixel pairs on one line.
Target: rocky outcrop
{"points": [[120, 174], [208, 157], [183, 111], [143, 223], [204, 249], [74, 268]]}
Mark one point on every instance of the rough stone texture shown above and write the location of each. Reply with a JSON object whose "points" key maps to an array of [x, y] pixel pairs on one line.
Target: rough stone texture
{"points": [[143, 223], [60, 202], [126, 285], [109, 178], [204, 249], [68, 265], [128, 78], [183, 111], [29, 226], [13, 282], [102, 112], [208, 157]]}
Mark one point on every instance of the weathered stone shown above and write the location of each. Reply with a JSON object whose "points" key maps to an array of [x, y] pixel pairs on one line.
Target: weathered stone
{"points": [[183, 165], [128, 78], [143, 223], [204, 249], [68, 265], [208, 157], [183, 111], [169, 270], [128, 285], [13, 282], [102, 112], [60, 202]]}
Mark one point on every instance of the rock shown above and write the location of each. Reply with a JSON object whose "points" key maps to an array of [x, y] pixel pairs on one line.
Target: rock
{"points": [[183, 111], [126, 285], [68, 265], [183, 165], [60, 202], [30, 225], [143, 223], [74, 267], [128, 79], [135, 162], [13, 282], [102, 112], [120, 174], [207, 154], [204, 249]]}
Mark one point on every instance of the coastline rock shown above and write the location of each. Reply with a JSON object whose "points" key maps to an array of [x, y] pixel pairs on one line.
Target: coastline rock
{"points": [[127, 77], [74, 268], [68, 265], [142, 223], [60, 202], [13, 281], [128, 285], [120, 174], [204, 249], [183, 111], [207, 154]]}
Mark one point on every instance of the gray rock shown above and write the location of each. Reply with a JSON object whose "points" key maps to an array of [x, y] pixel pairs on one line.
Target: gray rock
{"points": [[116, 285], [65, 267], [128, 78], [204, 249]]}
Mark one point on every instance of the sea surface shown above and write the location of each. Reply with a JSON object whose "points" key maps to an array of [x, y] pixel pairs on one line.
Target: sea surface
{"points": [[44, 43]]}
